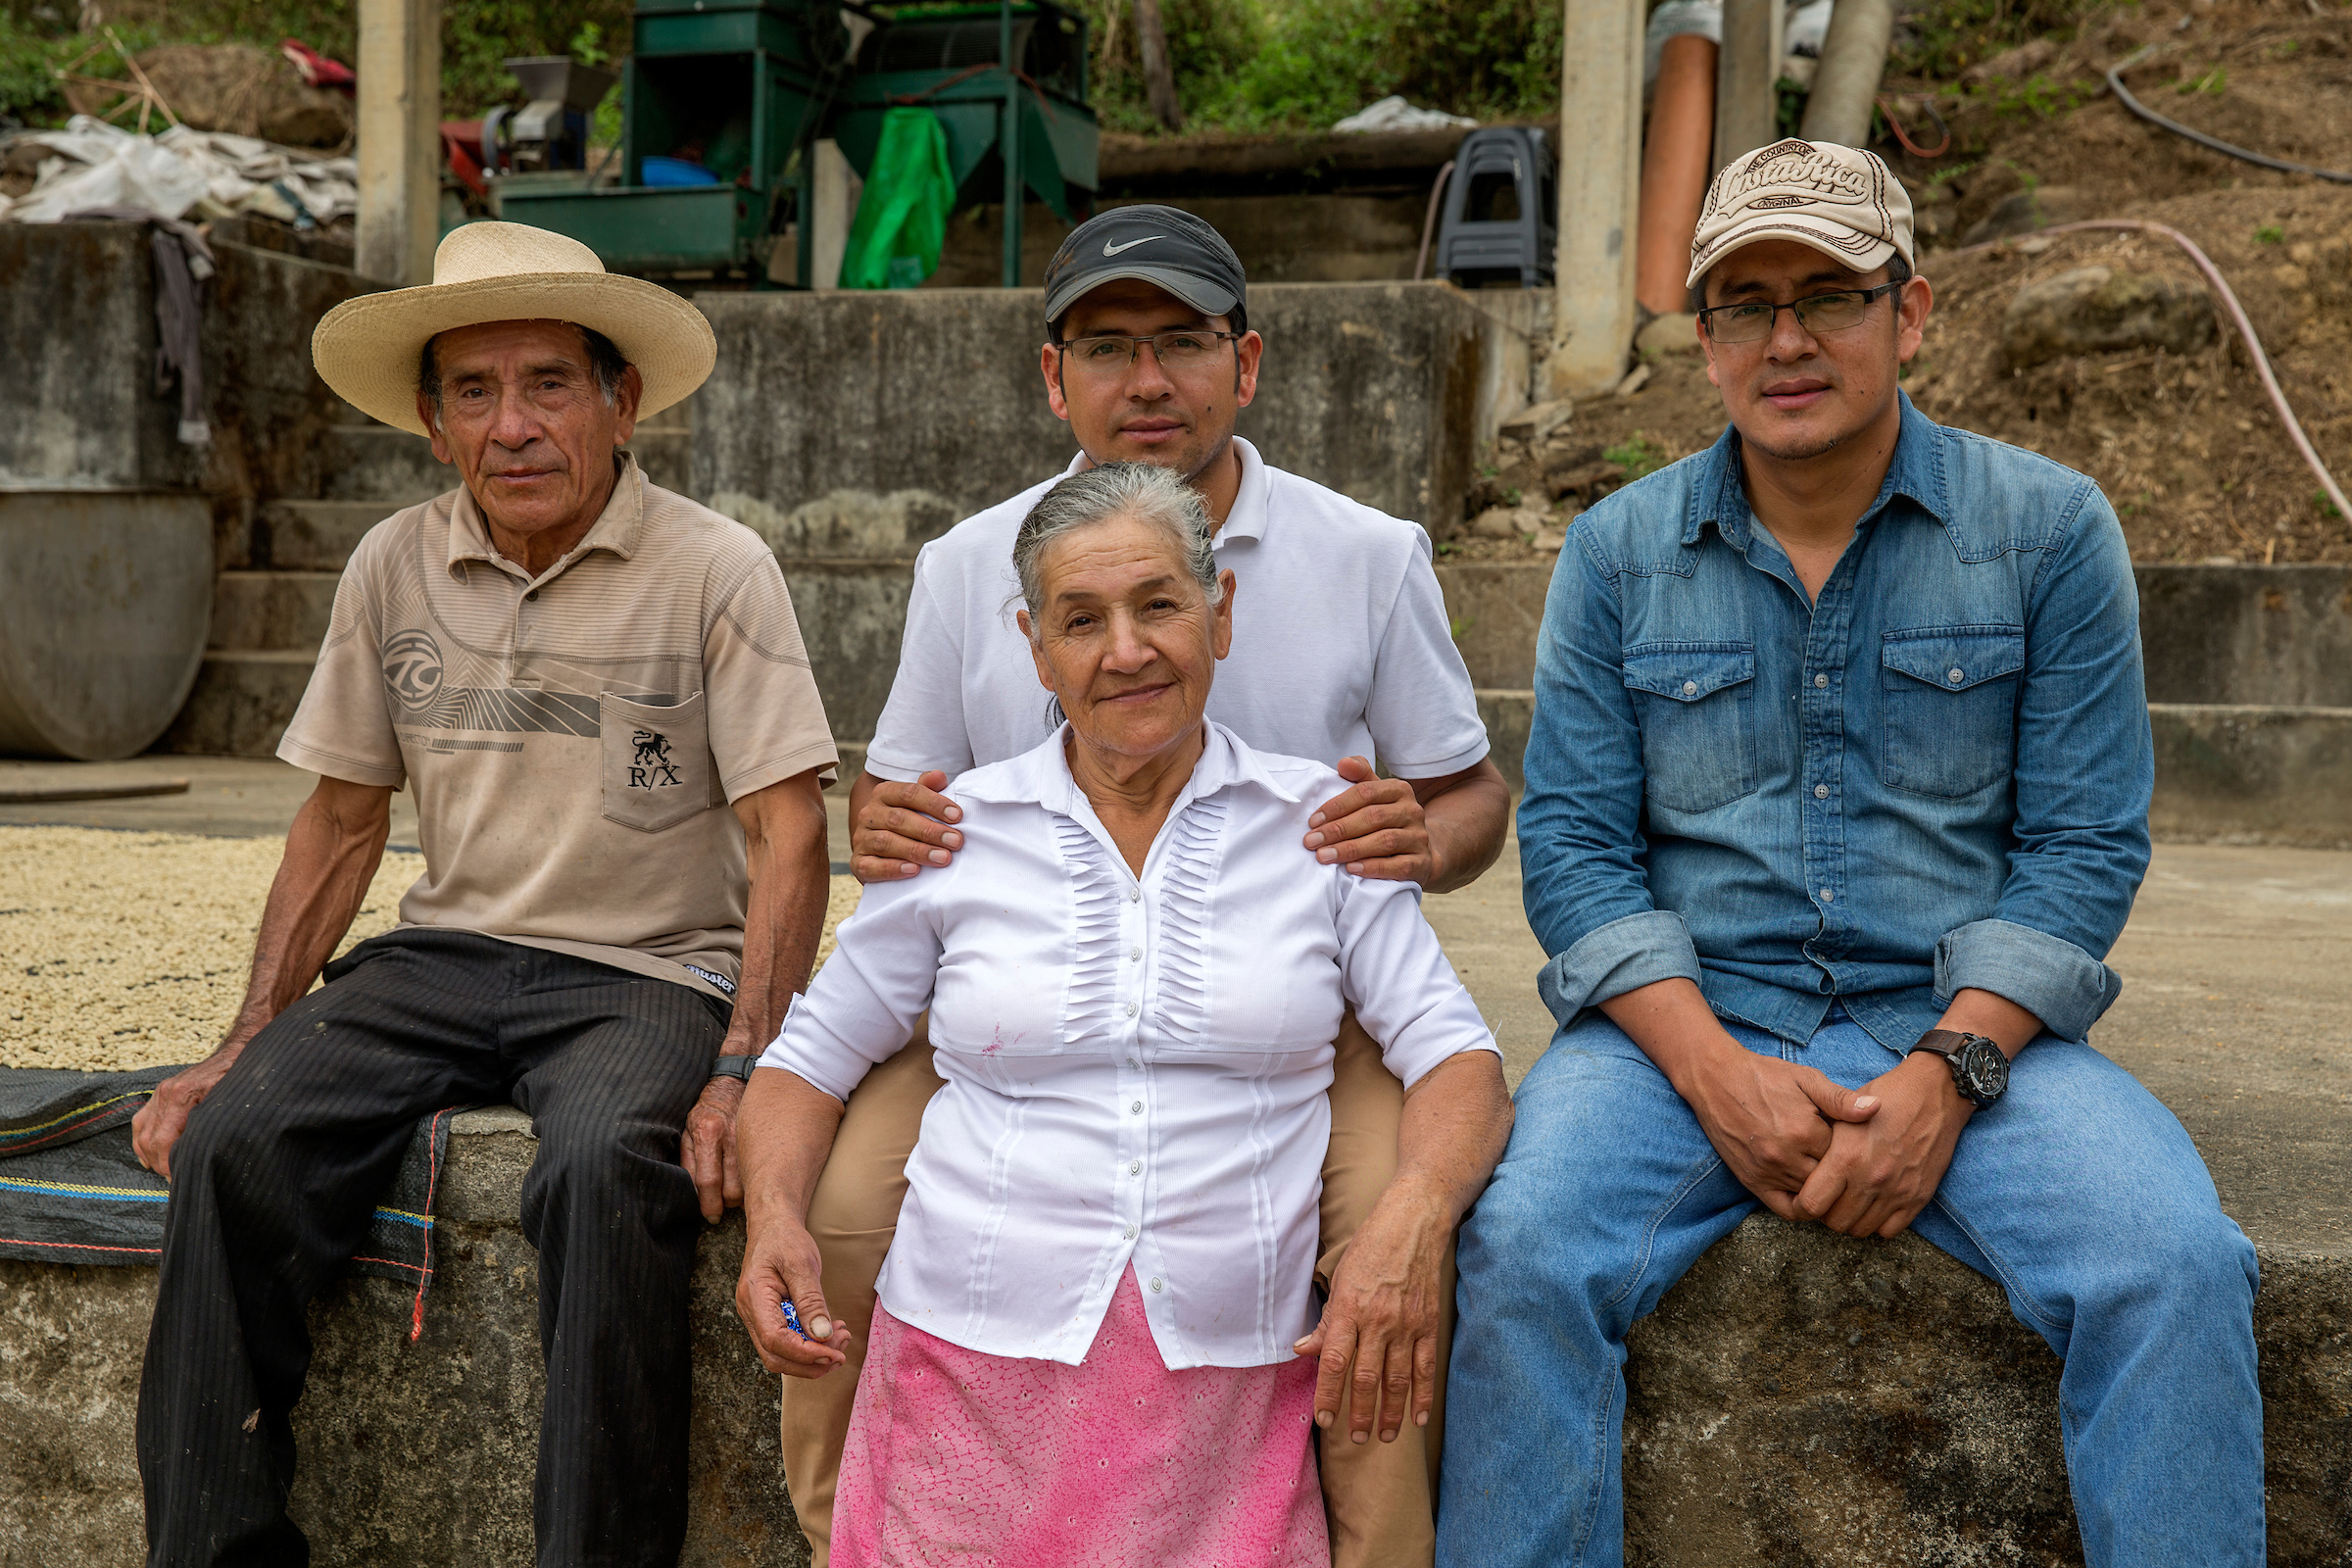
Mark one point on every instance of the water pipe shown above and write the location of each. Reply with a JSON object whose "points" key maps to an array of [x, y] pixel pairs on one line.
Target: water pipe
{"points": [[1845, 84], [1675, 167]]}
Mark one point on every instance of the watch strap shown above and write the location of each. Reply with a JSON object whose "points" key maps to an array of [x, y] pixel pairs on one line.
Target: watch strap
{"points": [[1944, 1042], [738, 1068]]}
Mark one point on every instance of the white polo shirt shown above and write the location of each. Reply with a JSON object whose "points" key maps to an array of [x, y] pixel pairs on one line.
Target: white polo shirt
{"points": [[1340, 644]]}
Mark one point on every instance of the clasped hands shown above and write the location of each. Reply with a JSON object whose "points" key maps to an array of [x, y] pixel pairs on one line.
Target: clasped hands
{"points": [[1376, 827], [1862, 1162]]}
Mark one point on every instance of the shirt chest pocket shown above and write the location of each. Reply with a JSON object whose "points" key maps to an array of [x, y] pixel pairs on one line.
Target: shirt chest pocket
{"points": [[1696, 705], [657, 760], [1949, 703]]}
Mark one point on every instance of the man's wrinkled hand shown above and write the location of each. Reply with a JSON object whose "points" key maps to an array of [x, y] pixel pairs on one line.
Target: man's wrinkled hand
{"points": [[707, 1148], [1374, 828], [1376, 1345], [1877, 1176], [158, 1124], [904, 828], [780, 1263], [1771, 1121]]}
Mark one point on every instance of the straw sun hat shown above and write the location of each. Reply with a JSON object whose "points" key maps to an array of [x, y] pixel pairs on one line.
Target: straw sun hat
{"points": [[367, 349]]}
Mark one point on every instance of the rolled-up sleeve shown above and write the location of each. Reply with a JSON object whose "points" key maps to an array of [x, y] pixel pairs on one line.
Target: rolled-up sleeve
{"points": [[863, 1005], [1395, 973], [2085, 771], [1581, 845]]}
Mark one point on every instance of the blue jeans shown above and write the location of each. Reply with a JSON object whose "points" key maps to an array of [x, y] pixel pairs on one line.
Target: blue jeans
{"points": [[2078, 1192]]}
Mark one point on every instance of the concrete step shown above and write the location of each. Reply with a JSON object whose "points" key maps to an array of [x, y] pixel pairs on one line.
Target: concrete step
{"points": [[2225, 773], [319, 535], [273, 610], [242, 702], [378, 462]]}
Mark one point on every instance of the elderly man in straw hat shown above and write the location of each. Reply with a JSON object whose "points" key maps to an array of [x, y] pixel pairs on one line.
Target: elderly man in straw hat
{"points": [[597, 693], [1836, 798]]}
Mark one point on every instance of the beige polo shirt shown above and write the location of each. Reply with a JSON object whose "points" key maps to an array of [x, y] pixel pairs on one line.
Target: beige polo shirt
{"points": [[574, 739]]}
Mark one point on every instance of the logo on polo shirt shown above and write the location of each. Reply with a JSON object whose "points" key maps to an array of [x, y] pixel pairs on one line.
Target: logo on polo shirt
{"points": [[653, 769], [412, 669]]}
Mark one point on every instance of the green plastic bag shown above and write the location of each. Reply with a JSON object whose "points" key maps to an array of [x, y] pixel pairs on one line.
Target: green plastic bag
{"points": [[902, 217]]}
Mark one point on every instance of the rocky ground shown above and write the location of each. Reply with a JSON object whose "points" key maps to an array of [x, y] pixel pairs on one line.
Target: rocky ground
{"points": [[2178, 433]]}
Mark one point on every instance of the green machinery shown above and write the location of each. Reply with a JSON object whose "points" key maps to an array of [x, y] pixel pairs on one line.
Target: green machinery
{"points": [[744, 89]]}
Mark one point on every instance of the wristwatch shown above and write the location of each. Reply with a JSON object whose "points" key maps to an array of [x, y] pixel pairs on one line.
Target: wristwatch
{"points": [[738, 1067], [1979, 1068]]}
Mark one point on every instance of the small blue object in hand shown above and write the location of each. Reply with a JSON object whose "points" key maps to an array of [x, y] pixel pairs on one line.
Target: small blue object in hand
{"points": [[792, 1319]]}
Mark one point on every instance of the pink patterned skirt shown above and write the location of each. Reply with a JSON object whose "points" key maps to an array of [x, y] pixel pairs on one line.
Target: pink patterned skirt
{"points": [[956, 1457]]}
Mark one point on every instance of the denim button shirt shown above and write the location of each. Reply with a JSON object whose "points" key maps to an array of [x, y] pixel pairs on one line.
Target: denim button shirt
{"points": [[1934, 778]]}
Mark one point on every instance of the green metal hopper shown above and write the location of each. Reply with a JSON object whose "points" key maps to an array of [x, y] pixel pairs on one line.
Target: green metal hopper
{"points": [[743, 89]]}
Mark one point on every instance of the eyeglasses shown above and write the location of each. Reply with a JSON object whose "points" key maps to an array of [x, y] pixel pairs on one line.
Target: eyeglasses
{"points": [[1107, 354], [1752, 322]]}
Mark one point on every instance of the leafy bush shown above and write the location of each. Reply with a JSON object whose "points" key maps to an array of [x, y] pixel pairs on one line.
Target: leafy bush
{"points": [[1248, 65], [1946, 37]]}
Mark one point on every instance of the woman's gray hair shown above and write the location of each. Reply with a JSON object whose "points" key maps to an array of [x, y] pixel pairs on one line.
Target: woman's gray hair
{"points": [[1136, 490]]}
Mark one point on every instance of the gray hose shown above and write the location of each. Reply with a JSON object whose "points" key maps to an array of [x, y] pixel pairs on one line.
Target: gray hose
{"points": [[1853, 57], [2123, 95]]}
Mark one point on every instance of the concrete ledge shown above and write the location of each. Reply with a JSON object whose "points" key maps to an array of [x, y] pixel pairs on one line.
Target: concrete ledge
{"points": [[1806, 1398], [1799, 1398], [411, 1453], [2274, 635], [2253, 775]]}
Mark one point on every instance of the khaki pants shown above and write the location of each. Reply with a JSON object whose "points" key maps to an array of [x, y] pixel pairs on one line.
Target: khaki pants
{"points": [[1380, 1496]]}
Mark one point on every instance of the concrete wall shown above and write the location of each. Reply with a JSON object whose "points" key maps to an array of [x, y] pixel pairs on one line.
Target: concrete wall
{"points": [[2269, 635], [78, 406], [1799, 1399]]}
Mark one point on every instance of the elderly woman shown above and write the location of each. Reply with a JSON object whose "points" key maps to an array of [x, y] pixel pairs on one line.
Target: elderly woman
{"points": [[1098, 1339]]}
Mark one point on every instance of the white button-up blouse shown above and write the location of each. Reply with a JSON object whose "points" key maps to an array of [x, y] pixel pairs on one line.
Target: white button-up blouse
{"points": [[1135, 1066]]}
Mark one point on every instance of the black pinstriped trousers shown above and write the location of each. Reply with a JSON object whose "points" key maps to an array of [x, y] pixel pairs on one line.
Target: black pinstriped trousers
{"points": [[280, 1169]]}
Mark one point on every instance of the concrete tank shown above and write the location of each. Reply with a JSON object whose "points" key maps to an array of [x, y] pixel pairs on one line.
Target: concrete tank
{"points": [[106, 597]]}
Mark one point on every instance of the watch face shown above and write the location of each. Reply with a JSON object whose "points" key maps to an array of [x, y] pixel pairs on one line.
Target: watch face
{"points": [[1984, 1070]]}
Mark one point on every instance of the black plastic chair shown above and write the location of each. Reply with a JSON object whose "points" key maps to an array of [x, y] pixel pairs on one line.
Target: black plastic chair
{"points": [[1501, 223]]}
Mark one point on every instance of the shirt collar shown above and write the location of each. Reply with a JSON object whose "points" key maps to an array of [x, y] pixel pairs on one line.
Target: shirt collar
{"points": [[618, 528], [1917, 473], [1042, 774], [1251, 505]]}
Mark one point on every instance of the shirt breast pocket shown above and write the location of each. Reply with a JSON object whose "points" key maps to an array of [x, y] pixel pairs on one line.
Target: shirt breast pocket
{"points": [[1949, 696], [1697, 707], [657, 760]]}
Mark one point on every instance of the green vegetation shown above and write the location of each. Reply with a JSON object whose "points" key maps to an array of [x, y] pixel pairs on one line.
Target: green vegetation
{"points": [[1637, 455], [2042, 96], [1950, 35], [2269, 234], [2215, 81], [476, 35], [1240, 65], [1254, 65], [2322, 506]]}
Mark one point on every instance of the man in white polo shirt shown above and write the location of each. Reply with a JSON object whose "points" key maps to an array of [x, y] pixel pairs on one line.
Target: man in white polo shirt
{"points": [[1342, 651]]}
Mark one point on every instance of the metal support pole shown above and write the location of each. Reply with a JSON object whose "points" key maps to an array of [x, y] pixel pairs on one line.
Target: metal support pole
{"points": [[399, 140], [1601, 192], [1747, 74], [1009, 145]]}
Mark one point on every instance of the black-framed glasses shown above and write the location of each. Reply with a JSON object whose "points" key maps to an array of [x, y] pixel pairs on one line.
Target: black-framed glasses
{"points": [[1751, 322], [1113, 353]]}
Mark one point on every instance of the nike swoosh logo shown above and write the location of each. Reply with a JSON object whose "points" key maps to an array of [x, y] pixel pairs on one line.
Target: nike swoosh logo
{"points": [[1108, 248]]}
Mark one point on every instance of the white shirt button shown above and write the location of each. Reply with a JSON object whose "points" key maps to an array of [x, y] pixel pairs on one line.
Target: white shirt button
{"points": [[1690, 688], [1820, 681], [1131, 1009], [1820, 792], [1135, 1061], [1829, 895], [1136, 1107], [1135, 895], [1130, 1233], [1156, 1282], [1135, 954], [1135, 1168], [1955, 675]]}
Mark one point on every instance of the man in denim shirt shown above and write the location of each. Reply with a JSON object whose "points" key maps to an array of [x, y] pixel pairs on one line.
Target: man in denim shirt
{"points": [[1836, 798]]}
